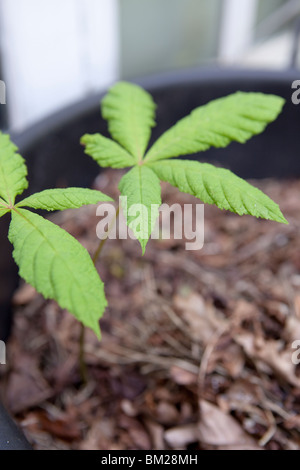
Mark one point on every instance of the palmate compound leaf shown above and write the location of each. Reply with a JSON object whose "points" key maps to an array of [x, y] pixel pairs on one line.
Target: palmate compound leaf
{"points": [[236, 117], [13, 170], [65, 198], [58, 267], [142, 192], [106, 152], [218, 186], [130, 112]]}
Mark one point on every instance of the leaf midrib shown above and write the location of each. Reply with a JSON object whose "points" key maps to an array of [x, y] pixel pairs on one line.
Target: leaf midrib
{"points": [[210, 174], [141, 196], [50, 244]]}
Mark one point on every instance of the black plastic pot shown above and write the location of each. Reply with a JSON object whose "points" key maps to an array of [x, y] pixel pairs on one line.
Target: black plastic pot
{"points": [[11, 438], [55, 158]]}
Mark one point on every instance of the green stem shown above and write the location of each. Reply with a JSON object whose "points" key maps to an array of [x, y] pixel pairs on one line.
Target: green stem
{"points": [[82, 363]]}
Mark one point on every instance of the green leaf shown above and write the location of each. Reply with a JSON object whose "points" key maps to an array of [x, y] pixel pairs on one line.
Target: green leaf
{"points": [[142, 192], [3, 211], [3, 205], [218, 186], [61, 199], [13, 170], [106, 152], [236, 117], [130, 112], [55, 263]]}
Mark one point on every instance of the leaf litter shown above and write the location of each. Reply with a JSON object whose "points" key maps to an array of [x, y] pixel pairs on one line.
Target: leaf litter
{"points": [[197, 346]]}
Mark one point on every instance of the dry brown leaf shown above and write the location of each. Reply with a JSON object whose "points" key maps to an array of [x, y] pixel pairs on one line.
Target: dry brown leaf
{"points": [[182, 377], [99, 436], [201, 318], [292, 329], [293, 423], [129, 408], [179, 437], [271, 354], [26, 386], [231, 357], [140, 438], [297, 306], [156, 432], [219, 429], [243, 311], [66, 427], [276, 309], [241, 392], [136, 431], [167, 413]]}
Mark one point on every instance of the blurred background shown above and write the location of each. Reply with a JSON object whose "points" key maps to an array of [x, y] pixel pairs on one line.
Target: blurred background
{"points": [[55, 53]]}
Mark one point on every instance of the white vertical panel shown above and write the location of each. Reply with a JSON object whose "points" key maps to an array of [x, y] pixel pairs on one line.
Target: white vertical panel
{"points": [[237, 28], [101, 41], [54, 52]]}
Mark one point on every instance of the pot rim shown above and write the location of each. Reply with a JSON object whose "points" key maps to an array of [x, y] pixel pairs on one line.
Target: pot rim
{"points": [[28, 137]]}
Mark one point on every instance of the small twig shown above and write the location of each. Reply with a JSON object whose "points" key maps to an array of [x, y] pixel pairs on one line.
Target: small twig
{"points": [[176, 345], [176, 320], [206, 357], [277, 409], [122, 355], [270, 432]]}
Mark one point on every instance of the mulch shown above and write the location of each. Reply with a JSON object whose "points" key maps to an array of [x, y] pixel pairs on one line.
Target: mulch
{"points": [[197, 346]]}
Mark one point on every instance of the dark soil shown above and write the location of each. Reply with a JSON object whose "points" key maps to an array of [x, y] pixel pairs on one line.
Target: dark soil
{"points": [[197, 346]]}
